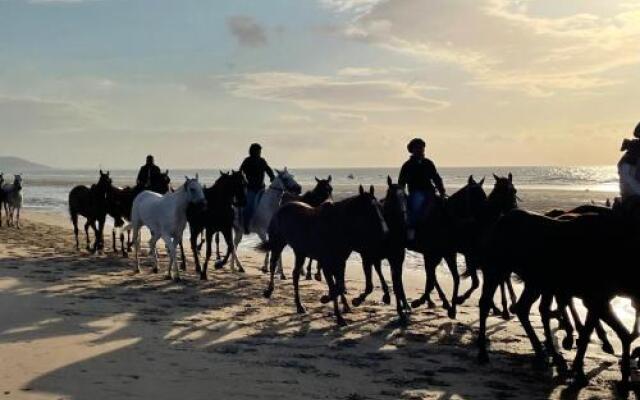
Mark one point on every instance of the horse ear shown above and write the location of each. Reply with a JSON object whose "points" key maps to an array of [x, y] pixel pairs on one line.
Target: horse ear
{"points": [[510, 177], [361, 189], [329, 179], [481, 182], [166, 172], [496, 177], [317, 180], [371, 190], [186, 178], [471, 181], [278, 171], [389, 181], [285, 169], [197, 176]]}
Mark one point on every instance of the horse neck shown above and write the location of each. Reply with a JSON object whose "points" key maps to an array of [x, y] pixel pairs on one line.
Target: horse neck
{"points": [[220, 192]]}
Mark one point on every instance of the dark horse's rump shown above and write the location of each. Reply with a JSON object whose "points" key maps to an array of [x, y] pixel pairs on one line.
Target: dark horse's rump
{"points": [[90, 203], [563, 259], [329, 234]]}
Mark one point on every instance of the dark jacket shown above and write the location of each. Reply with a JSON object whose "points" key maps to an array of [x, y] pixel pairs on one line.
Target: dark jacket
{"points": [[420, 174], [148, 175], [254, 169]]}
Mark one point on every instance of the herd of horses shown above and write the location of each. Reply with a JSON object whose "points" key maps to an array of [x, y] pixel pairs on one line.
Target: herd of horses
{"points": [[11, 199], [586, 253]]}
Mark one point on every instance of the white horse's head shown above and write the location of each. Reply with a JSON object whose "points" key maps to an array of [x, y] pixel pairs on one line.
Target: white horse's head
{"points": [[194, 191], [285, 181]]}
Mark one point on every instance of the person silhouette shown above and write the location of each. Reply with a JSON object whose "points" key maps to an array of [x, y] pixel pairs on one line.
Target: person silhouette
{"points": [[254, 168], [148, 175], [629, 166]]}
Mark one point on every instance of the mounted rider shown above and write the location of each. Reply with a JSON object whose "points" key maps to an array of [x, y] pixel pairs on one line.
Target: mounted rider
{"points": [[149, 174], [254, 168], [629, 167], [421, 177]]}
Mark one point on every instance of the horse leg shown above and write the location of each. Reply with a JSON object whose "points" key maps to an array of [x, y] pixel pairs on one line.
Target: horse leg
{"points": [[193, 240], [114, 244], [237, 237], [122, 247], [583, 342], [207, 257], [218, 257], [86, 233], [172, 269], [505, 307], [18, 217], [153, 251], [308, 277], [386, 297], [74, 221], [297, 269], [489, 286], [368, 287], [523, 308], [626, 338], [282, 275], [275, 254], [395, 262], [340, 286], [226, 233], [453, 268], [512, 293], [545, 316], [430, 270], [183, 259], [333, 295], [266, 262], [129, 241], [472, 272], [136, 247]]}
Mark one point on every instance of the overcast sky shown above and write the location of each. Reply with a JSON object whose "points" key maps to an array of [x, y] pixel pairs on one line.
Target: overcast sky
{"points": [[318, 82]]}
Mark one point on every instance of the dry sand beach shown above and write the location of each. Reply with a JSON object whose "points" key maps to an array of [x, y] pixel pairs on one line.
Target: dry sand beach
{"points": [[78, 326]]}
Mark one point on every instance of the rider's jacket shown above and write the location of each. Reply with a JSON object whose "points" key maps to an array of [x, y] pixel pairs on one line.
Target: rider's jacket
{"points": [[148, 175], [254, 168], [420, 174]]}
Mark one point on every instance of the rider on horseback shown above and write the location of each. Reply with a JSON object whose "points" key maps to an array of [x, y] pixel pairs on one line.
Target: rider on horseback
{"points": [[420, 175], [629, 167], [148, 175], [254, 168]]}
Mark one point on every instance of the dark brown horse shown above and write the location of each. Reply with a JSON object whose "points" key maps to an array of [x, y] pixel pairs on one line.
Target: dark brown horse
{"points": [[323, 191], [228, 191], [120, 201], [90, 203], [328, 233]]}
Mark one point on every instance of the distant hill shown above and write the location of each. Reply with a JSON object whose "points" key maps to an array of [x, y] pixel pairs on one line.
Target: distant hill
{"points": [[19, 165]]}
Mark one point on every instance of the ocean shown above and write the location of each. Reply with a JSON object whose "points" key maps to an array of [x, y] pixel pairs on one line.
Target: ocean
{"points": [[540, 188]]}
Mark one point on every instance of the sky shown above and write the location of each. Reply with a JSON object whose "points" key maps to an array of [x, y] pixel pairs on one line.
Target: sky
{"points": [[319, 83]]}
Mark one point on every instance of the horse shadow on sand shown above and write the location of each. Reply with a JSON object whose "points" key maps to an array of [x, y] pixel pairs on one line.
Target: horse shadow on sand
{"points": [[221, 339]]}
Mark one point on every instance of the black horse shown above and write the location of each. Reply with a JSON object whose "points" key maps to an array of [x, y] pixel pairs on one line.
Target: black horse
{"points": [[328, 233], [91, 203], [591, 257], [228, 191], [120, 202], [394, 211]]}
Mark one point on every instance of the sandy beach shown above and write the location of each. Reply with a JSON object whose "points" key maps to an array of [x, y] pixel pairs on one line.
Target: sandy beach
{"points": [[80, 326]]}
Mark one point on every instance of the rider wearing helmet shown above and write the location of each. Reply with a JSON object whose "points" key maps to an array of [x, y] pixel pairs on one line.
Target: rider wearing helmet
{"points": [[421, 177], [254, 168], [629, 166], [148, 174]]}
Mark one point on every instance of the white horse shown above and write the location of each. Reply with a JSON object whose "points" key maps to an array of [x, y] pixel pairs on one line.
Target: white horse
{"points": [[166, 218], [13, 200], [267, 205]]}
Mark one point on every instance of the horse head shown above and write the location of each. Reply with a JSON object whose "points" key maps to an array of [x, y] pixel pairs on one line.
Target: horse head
{"points": [[195, 194], [163, 185], [395, 203], [323, 188], [366, 211], [238, 188], [1, 179], [469, 201], [504, 194], [285, 181]]}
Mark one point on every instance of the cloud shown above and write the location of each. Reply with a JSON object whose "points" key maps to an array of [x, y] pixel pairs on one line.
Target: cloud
{"points": [[25, 115], [247, 31], [540, 50], [338, 94]]}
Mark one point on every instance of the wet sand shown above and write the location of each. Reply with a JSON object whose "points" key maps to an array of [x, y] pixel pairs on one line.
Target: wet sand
{"points": [[80, 326]]}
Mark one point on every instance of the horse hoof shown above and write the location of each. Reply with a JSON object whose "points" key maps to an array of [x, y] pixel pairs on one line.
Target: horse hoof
{"points": [[218, 265], [301, 310], [203, 277], [567, 343], [417, 303], [341, 322], [346, 309], [177, 279], [607, 348], [267, 293], [318, 277], [198, 270], [459, 300], [264, 270], [386, 299], [283, 277], [403, 320], [451, 313], [356, 302], [580, 379], [505, 316], [325, 299]]}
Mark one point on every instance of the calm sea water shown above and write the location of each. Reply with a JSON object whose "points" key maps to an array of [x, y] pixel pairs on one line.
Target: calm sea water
{"points": [[540, 188]]}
